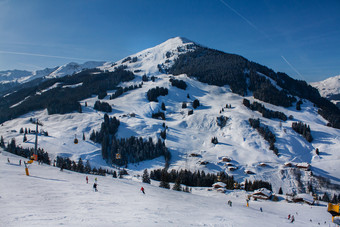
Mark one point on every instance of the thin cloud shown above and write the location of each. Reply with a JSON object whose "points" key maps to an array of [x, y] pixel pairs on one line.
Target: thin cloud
{"points": [[45, 55]]}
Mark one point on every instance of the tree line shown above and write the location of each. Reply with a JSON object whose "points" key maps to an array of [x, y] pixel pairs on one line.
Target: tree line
{"points": [[154, 93], [303, 129], [267, 113], [102, 106], [25, 152], [126, 150], [193, 179], [265, 132], [122, 90], [178, 83], [256, 184]]}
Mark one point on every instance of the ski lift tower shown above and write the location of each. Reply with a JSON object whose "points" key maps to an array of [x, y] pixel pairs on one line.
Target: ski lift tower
{"points": [[35, 155]]}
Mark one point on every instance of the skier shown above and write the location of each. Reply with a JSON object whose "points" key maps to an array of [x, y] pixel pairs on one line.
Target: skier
{"points": [[87, 179], [261, 209], [142, 189], [95, 179], [292, 219], [8, 160], [288, 216], [95, 187], [20, 162]]}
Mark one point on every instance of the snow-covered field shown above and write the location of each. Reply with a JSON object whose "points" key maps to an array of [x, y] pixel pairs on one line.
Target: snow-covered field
{"points": [[191, 134], [50, 197]]}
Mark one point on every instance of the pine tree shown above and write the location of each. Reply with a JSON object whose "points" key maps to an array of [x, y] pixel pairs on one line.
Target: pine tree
{"points": [[334, 199], [80, 166], [25, 138], [325, 197], [196, 103], [163, 106], [83, 136], [146, 177], [164, 180], [87, 168], [177, 186], [280, 191], [2, 143], [114, 175]]}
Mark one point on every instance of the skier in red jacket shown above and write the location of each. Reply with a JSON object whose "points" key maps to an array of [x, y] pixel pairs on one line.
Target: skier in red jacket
{"points": [[142, 189]]}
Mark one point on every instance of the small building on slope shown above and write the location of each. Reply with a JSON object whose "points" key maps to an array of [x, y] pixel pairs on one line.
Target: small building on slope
{"points": [[262, 193]]}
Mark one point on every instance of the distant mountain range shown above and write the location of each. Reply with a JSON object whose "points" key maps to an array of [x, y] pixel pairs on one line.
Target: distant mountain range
{"points": [[202, 109]]}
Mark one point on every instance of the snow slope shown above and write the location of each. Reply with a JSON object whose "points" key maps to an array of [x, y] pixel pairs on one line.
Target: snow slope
{"points": [[328, 87], [192, 134], [49, 197]]}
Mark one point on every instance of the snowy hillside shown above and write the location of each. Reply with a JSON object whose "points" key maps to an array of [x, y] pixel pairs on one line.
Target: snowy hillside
{"points": [[22, 76], [328, 87], [49, 197], [192, 134]]}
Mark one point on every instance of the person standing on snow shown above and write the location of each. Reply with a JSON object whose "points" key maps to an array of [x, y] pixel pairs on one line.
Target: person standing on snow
{"points": [[87, 179], [142, 189], [95, 187], [95, 179]]}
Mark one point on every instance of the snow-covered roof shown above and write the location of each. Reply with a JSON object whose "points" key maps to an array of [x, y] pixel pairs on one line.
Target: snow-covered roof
{"points": [[305, 197], [219, 185], [303, 165], [263, 191]]}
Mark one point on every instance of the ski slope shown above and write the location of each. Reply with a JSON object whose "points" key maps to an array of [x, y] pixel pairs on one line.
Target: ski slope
{"points": [[50, 197], [191, 134]]}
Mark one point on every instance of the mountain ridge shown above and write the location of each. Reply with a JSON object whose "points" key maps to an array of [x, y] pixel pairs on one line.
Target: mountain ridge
{"points": [[186, 133]]}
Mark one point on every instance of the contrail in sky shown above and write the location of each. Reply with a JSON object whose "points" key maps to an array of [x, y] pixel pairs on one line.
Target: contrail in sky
{"points": [[44, 55], [256, 28], [292, 67], [244, 18], [240, 15]]}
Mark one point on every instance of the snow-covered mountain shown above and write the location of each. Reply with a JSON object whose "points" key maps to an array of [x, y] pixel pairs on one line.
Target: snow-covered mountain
{"points": [[188, 137], [329, 88], [23, 76]]}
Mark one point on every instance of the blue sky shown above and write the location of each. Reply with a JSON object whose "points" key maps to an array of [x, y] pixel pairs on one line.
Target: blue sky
{"points": [[301, 38]]}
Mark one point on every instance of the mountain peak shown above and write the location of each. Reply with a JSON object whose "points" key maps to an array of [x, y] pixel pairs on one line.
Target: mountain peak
{"points": [[179, 39], [149, 61], [328, 87]]}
